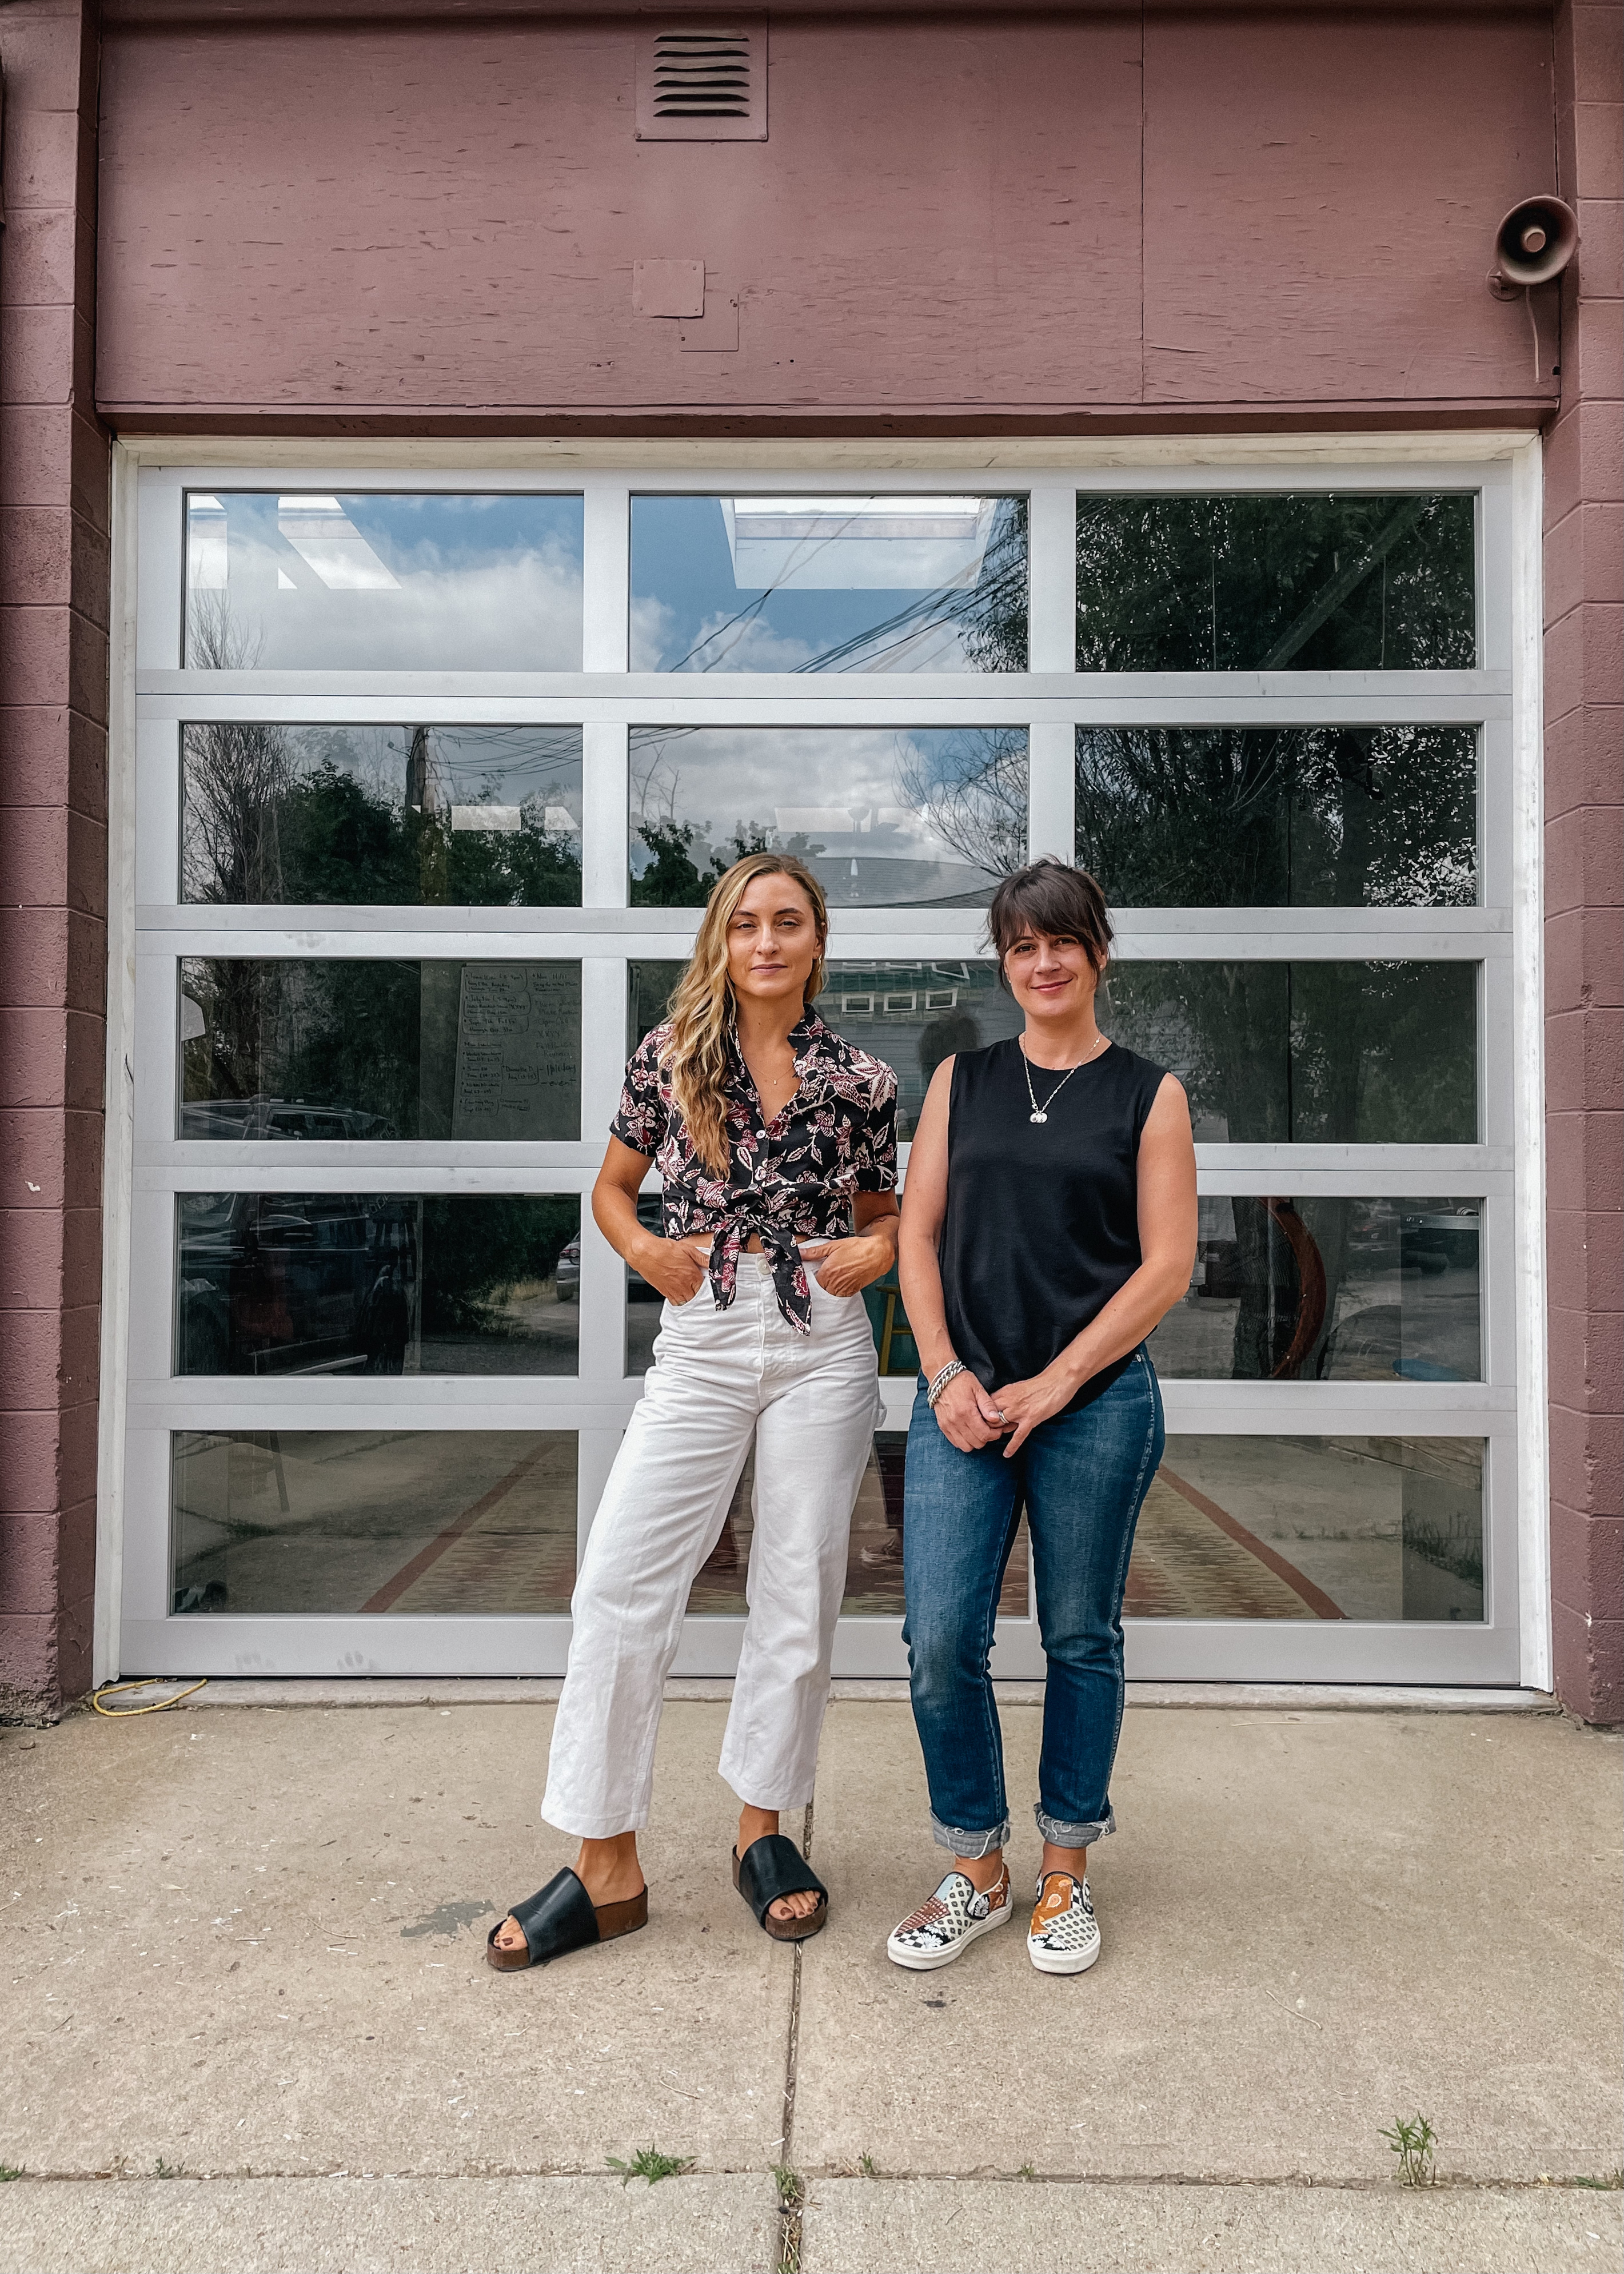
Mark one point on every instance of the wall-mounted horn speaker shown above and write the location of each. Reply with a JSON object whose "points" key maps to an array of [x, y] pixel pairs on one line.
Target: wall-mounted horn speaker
{"points": [[1532, 245]]}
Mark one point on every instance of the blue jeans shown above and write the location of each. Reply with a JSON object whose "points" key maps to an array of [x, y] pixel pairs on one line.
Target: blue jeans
{"points": [[1082, 1477]]}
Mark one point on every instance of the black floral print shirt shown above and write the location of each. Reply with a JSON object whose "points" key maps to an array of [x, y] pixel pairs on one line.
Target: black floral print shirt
{"points": [[792, 1177]]}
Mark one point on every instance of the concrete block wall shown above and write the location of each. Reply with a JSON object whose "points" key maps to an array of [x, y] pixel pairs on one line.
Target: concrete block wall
{"points": [[54, 594], [1585, 878]]}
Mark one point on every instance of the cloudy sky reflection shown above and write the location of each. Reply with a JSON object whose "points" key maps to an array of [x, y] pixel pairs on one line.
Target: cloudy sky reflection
{"points": [[364, 581], [884, 817]]}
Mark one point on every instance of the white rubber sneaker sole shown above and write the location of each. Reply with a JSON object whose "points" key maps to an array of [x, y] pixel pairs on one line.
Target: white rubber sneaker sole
{"points": [[1063, 1961], [927, 1962]]}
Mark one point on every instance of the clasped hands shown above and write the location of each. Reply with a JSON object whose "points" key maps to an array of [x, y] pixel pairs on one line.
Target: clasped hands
{"points": [[971, 1417]]}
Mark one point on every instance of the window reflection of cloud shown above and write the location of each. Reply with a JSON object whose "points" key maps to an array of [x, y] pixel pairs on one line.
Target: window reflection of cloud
{"points": [[520, 613], [720, 778]]}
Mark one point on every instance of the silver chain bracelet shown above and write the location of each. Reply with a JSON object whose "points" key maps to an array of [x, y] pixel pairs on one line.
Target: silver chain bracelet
{"points": [[954, 1366]]}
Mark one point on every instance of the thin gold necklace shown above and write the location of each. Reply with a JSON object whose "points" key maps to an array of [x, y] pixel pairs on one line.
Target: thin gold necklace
{"points": [[1040, 1113]]}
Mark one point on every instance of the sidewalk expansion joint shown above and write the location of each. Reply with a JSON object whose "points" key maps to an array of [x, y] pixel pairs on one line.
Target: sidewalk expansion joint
{"points": [[1446, 2183], [792, 2191]]}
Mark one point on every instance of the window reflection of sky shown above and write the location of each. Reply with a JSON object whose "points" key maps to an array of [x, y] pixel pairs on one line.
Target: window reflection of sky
{"points": [[369, 581], [883, 816], [690, 611]]}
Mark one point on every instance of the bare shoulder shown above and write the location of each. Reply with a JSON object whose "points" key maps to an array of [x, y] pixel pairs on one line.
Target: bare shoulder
{"points": [[1170, 1112]]}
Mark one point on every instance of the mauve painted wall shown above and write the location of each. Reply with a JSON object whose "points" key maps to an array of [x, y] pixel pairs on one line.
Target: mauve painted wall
{"points": [[1584, 881], [53, 857], [1051, 218]]}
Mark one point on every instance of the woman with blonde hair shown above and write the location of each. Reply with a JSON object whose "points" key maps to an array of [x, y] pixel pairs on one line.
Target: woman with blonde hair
{"points": [[775, 1146]]}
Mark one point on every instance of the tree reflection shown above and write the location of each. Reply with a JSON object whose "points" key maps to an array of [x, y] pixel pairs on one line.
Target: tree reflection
{"points": [[330, 815], [1345, 816], [1280, 581]]}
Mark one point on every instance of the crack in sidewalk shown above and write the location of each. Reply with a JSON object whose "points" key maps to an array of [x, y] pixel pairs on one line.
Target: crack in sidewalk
{"points": [[791, 2193]]}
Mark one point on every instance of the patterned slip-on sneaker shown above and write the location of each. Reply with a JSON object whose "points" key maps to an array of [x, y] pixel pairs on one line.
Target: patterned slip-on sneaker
{"points": [[948, 1923], [1065, 1934]]}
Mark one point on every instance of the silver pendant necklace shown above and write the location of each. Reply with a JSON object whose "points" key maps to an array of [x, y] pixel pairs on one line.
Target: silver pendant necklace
{"points": [[1040, 1113]]}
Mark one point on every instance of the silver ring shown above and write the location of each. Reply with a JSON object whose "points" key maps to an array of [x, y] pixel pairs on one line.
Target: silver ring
{"points": [[1000, 1414]]}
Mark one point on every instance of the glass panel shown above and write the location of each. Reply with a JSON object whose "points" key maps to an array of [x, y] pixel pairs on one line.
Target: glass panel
{"points": [[642, 1300], [874, 1560], [422, 1522], [376, 1282], [1294, 817], [829, 583], [1328, 1290], [471, 817], [367, 1049], [1308, 1053], [375, 581], [921, 817], [1271, 1053], [913, 1015], [1312, 1528], [649, 991], [1276, 582]]}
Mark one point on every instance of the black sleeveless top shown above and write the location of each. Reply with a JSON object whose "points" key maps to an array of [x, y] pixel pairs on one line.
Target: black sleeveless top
{"points": [[1042, 1220]]}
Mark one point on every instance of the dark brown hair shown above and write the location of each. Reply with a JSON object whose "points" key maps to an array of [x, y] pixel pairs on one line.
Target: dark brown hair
{"points": [[1051, 898]]}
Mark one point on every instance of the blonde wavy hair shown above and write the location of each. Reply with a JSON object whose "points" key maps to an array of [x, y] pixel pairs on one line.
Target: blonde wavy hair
{"points": [[703, 1008]]}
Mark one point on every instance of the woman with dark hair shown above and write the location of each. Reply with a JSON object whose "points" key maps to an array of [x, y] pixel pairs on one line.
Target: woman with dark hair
{"points": [[775, 1143], [1049, 1222]]}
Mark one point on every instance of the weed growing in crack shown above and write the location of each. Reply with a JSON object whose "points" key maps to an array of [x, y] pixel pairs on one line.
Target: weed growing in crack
{"points": [[9, 2172], [1027, 2171], [163, 2171], [867, 2165], [1414, 2145], [650, 2164], [791, 2195], [1609, 2183]]}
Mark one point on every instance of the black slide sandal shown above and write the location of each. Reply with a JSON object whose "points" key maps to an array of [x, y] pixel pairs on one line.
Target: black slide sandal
{"points": [[774, 1866], [562, 1918]]}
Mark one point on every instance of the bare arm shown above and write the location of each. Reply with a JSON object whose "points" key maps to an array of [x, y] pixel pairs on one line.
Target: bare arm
{"points": [[1167, 1221], [967, 1415], [674, 1266]]}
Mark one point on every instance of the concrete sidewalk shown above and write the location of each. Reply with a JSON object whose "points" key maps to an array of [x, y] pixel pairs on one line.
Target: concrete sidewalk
{"points": [[248, 2026]]}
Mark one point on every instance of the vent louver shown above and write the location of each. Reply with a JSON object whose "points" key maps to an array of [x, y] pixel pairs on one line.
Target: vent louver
{"points": [[702, 79]]}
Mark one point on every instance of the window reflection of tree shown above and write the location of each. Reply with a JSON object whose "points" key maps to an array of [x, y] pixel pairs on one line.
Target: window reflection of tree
{"points": [[341, 817], [974, 795], [1276, 582], [1308, 1052], [1262, 816], [344, 1036]]}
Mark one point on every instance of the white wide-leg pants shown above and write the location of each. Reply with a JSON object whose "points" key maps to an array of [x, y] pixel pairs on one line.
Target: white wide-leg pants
{"points": [[720, 1380]]}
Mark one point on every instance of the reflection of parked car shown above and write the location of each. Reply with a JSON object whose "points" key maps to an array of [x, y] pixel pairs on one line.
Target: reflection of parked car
{"points": [[252, 1118], [1218, 1269], [1432, 1242], [651, 1217], [295, 1283]]}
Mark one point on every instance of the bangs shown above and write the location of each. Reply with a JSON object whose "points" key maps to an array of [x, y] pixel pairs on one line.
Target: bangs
{"points": [[1051, 898]]}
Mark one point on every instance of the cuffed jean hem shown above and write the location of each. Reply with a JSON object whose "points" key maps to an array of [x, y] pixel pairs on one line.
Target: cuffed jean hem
{"points": [[970, 1844], [1074, 1835]]}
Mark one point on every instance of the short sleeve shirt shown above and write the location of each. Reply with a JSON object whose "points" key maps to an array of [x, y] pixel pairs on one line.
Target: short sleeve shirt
{"points": [[789, 1178]]}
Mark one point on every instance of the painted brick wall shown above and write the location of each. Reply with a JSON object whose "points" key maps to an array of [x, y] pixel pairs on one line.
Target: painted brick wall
{"points": [[53, 855], [1585, 878]]}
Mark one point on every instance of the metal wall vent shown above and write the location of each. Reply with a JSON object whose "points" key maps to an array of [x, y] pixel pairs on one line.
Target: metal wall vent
{"points": [[702, 79]]}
